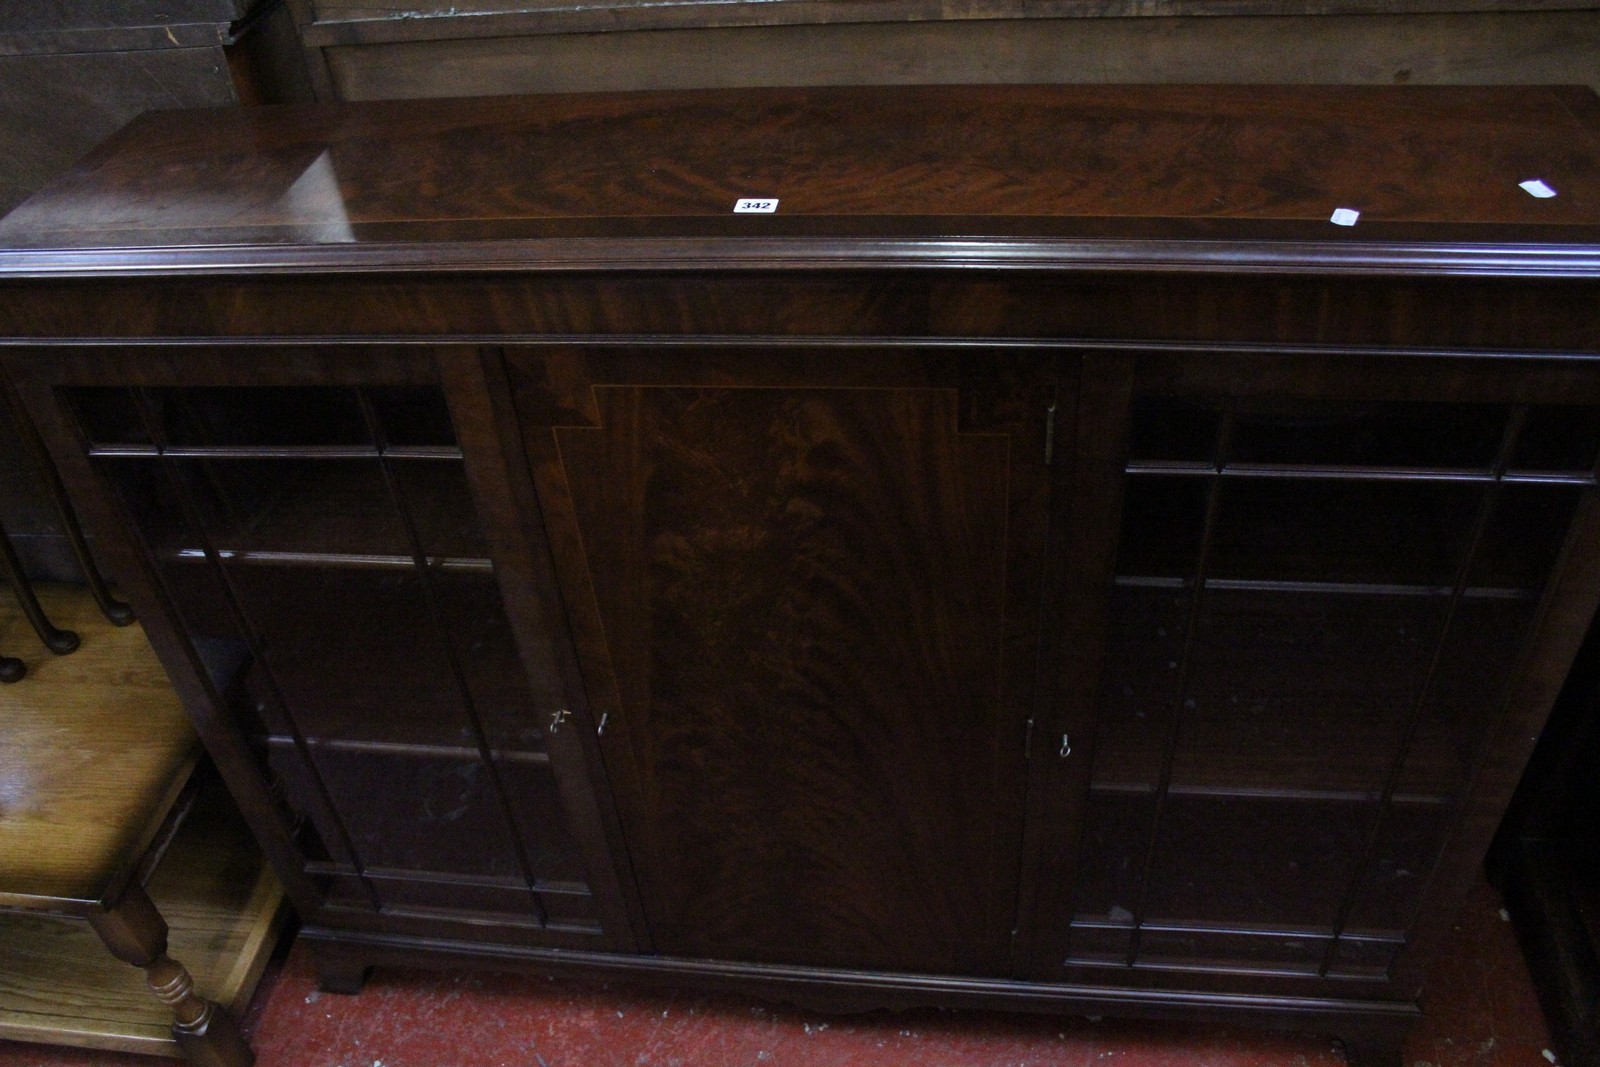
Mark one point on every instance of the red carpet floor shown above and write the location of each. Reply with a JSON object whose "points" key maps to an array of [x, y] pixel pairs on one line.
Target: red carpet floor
{"points": [[1480, 1011]]}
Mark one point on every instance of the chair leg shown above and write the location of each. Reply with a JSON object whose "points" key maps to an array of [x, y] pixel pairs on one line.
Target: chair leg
{"points": [[136, 933], [11, 670], [58, 641], [112, 608]]}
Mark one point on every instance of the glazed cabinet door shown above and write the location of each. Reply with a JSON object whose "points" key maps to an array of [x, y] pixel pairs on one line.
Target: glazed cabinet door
{"points": [[309, 522], [1334, 595], [804, 583]]}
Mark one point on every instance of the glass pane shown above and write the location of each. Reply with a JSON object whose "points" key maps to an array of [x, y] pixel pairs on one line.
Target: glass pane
{"points": [[1111, 856], [1324, 604], [1279, 952], [1475, 667], [367, 664], [1173, 430], [1163, 520], [1525, 533], [440, 503], [447, 899], [414, 417], [476, 620], [571, 909], [317, 571], [420, 813], [1301, 691], [1395, 435], [1231, 860], [1295, 530], [108, 416], [1099, 945], [198, 594], [196, 590], [1140, 685], [313, 507], [1360, 958], [235, 417], [150, 502], [1558, 439], [299, 787], [1391, 886], [536, 807]]}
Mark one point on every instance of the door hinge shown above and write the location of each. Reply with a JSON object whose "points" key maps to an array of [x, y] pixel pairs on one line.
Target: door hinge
{"points": [[1050, 434]]}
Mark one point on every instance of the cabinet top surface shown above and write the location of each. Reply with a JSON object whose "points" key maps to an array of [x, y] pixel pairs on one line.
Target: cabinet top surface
{"points": [[1010, 175]]}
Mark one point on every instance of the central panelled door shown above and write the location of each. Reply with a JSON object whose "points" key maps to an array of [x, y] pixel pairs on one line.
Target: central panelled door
{"points": [[804, 585]]}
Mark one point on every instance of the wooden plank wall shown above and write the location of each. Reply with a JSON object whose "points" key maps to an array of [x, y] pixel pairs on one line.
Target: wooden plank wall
{"points": [[363, 49]]}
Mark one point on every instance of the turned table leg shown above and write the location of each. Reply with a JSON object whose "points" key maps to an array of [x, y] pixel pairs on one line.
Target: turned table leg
{"points": [[136, 933]]}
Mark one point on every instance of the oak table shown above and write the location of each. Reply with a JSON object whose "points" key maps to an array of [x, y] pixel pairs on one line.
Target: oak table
{"points": [[93, 792]]}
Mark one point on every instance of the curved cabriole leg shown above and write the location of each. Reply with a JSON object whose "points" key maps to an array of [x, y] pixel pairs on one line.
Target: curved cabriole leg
{"points": [[58, 641], [113, 609], [136, 933]]}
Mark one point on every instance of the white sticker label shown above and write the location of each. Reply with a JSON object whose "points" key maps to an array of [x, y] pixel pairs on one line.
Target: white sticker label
{"points": [[1344, 216], [753, 206], [1535, 187]]}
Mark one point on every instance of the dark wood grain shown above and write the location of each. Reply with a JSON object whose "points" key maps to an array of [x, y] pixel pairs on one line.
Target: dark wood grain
{"points": [[620, 165], [1419, 317], [1543, 862], [1091, 423], [764, 538], [718, 602], [365, 22]]}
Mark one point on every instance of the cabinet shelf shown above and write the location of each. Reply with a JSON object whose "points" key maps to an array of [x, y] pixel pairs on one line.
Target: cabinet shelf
{"points": [[314, 452], [1172, 945], [1374, 589], [1320, 771], [420, 751], [1274, 793], [1315, 472], [307, 506], [350, 560]]}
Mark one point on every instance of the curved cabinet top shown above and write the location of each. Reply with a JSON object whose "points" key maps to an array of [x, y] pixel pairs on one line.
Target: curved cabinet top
{"points": [[1220, 178]]}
